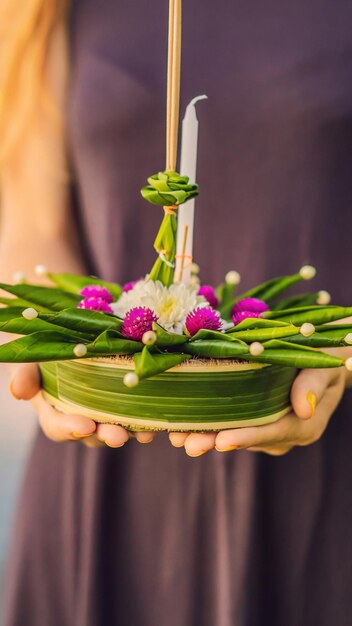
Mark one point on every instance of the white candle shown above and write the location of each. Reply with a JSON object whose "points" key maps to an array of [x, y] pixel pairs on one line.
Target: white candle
{"points": [[185, 214]]}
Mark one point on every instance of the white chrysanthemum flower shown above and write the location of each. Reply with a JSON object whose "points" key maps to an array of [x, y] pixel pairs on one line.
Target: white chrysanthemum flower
{"points": [[170, 304]]}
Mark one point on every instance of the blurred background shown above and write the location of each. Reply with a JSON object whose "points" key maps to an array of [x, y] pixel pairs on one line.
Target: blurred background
{"points": [[17, 427]]}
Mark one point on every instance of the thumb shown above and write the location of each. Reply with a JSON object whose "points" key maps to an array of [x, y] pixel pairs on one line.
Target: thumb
{"points": [[308, 389], [25, 381]]}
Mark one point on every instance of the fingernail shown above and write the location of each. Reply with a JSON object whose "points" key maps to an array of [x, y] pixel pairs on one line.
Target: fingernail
{"points": [[111, 446], [177, 445], [148, 441], [12, 392], [199, 453], [227, 449], [312, 400], [80, 435]]}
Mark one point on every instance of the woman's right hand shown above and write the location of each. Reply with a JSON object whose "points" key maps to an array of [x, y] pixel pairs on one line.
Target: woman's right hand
{"points": [[26, 385]]}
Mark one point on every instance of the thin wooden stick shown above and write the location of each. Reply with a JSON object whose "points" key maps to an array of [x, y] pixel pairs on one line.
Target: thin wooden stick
{"points": [[173, 89], [185, 235], [169, 82]]}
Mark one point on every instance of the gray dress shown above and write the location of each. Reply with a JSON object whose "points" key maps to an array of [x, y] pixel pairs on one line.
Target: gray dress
{"points": [[144, 535]]}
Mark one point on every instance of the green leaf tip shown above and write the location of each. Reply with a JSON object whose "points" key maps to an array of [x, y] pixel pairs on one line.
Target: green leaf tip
{"points": [[149, 363]]}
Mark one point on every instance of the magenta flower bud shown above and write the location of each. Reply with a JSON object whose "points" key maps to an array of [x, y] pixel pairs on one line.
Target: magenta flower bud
{"points": [[239, 316], [247, 308], [130, 285], [208, 292], [251, 304], [138, 321], [96, 291], [202, 318], [95, 304]]}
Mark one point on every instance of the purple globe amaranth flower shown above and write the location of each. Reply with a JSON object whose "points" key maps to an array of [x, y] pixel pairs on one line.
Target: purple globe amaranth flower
{"points": [[96, 291], [138, 321], [208, 292], [239, 316], [251, 304], [130, 285], [247, 308], [95, 304], [202, 318]]}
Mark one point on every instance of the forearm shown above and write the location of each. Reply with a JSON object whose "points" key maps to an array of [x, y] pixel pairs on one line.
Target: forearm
{"points": [[349, 377]]}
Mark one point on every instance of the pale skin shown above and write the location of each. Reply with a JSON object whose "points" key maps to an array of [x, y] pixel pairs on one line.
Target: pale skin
{"points": [[37, 228]]}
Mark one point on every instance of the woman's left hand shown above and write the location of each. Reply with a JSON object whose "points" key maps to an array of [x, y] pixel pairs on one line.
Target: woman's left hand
{"points": [[315, 395]]}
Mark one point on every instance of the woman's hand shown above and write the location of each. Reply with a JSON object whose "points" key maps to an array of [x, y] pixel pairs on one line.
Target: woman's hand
{"points": [[315, 395], [25, 385]]}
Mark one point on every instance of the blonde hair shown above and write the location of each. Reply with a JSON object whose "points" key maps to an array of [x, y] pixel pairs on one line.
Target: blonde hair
{"points": [[27, 27]]}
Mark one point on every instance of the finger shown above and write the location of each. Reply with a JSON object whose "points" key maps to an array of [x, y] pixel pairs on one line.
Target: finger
{"points": [[61, 426], [92, 442], [272, 451], [145, 436], [25, 381], [316, 426], [308, 389], [285, 430], [178, 439], [112, 435], [197, 443]]}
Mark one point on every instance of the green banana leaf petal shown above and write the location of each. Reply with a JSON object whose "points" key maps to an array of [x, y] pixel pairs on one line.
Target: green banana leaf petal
{"points": [[149, 364], [21, 326], [271, 289], [257, 322], [166, 242], [297, 358], [20, 303], [215, 349], [225, 294], [39, 346], [325, 339], [11, 313], [166, 338], [329, 327], [303, 299], [111, 342], [73, 283], [263, 334], [277, 344], [267, 291], [315, 315], [49, 297], [215, 335], [83, 320]]}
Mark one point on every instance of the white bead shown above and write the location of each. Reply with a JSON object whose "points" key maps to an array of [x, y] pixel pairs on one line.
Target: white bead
{"points": [[307, 272], [307, 329], [131, 379], [232, 277], [41, 270], [348, 364], [80, 350], [323, 297], [18, 277], [149, 338], [195, 269], [30, 314], [256, 348], [348, 339]]}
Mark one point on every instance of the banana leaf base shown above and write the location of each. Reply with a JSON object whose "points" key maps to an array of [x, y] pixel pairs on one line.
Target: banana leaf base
{"points": [[199, 395]]}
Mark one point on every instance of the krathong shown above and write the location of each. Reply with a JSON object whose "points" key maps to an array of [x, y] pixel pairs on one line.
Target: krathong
{"points": [[165, 351]]}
